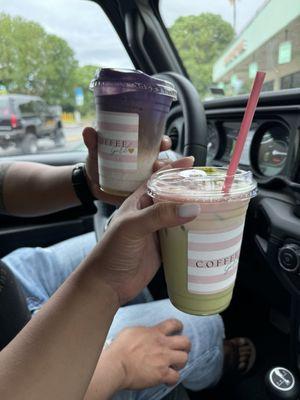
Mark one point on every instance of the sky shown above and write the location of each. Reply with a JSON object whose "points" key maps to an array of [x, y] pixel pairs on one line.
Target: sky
{"points": [[88, 31]]}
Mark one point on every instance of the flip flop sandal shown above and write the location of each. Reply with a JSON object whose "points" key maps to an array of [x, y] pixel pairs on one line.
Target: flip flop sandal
{"points": [[232, 357]]}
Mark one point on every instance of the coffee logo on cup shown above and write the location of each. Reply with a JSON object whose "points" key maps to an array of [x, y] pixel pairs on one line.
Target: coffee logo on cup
{"points": [[118, 142], [213, 259], [226, 262], [114, 146]]}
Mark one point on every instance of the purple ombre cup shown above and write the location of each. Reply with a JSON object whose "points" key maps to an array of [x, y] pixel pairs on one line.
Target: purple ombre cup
{"points": [[131, 112]]}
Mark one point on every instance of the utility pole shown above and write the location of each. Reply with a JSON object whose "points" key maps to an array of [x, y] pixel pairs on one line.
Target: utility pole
{"points": [[233, 4]]}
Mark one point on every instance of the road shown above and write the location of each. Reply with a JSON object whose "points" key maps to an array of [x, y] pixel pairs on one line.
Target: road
{"points": [[73, 137]]}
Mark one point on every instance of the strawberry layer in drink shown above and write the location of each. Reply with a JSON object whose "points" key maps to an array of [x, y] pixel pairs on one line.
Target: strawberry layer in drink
{"points": [[131, 113], [201, 258]]}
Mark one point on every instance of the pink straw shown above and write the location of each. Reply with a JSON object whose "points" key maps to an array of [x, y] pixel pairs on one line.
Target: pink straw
{"points": [[245, 126]]}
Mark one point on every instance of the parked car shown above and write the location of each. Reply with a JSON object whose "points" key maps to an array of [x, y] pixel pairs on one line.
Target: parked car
{"points": [[25, 119]]}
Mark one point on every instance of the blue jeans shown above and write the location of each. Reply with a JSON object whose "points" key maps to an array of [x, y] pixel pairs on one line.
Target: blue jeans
{"points": [[42, 270]]}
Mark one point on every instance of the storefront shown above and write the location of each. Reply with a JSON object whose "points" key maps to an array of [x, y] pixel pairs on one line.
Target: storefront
{"points": [[270, 42]]}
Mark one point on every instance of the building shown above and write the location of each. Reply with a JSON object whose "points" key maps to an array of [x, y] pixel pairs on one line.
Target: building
{"points": [[270, 42]]}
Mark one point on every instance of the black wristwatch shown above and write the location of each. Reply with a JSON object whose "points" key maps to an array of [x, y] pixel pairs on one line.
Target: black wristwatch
{"points": [[81, 188]]}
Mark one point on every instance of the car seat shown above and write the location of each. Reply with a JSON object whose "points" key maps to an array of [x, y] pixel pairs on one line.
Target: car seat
{"points": [[14, 313]]}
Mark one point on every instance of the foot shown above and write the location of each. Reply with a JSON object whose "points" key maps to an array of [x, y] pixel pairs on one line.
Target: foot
{"points": [[239, 356]]}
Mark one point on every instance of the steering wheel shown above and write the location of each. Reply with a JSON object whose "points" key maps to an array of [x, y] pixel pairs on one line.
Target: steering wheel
{"points": [[186, 125]]}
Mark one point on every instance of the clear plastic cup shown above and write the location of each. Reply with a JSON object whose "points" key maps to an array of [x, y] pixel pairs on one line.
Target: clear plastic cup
{"points": [[201, 257], [131, 113]]}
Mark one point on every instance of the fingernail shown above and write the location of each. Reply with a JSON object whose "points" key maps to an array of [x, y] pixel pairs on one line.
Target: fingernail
{"points": [[188, 210]]}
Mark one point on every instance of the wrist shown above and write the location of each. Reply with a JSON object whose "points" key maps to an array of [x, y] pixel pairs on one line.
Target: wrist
{"points": [[96, 271], [108, 294], [111, 296], [92, 282]]}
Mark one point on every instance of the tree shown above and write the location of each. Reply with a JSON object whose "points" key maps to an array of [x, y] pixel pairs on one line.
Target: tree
{"points": [[35, 62], [83, 77], [200, 40]]}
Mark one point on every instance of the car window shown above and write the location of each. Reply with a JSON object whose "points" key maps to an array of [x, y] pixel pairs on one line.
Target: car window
{"points": [[26, 107], [40, 107], [49, 52], [223, 43], [4, 107]]}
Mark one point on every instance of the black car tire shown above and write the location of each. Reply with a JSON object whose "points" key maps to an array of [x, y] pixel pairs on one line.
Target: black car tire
{"points": [[29, 144], [59, 137]]}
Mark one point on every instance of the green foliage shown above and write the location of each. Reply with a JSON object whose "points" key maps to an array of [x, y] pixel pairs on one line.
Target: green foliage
{"points": [[200, 40], [35, 62]]}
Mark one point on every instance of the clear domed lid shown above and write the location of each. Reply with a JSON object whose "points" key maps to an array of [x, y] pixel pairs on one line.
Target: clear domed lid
{"points": [[203, 184]]}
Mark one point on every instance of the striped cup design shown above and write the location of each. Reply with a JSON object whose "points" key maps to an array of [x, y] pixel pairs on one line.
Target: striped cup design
{"points": [[213, 259], [118, 142]]}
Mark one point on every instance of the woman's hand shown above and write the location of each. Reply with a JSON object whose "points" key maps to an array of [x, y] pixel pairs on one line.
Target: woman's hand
{"points": [[128, 255], [90, 140]]}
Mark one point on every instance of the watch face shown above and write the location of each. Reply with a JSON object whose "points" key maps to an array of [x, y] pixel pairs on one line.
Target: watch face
{"points": [[282, 379]]}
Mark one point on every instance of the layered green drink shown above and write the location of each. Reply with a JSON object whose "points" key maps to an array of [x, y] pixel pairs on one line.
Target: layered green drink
{"points": [[201, 258]]}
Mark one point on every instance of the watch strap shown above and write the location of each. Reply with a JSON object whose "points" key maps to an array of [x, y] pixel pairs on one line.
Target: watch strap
{"points": [[81, 188]]}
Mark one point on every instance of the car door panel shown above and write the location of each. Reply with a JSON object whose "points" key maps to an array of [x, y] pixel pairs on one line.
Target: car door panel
{"points": [[44, 231]]}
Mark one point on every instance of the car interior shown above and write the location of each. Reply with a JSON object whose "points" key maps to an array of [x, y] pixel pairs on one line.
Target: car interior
{"points": [[266, 301]]}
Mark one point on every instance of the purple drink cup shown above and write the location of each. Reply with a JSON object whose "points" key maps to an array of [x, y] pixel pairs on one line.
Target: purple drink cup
{"points": [[131, 112]]}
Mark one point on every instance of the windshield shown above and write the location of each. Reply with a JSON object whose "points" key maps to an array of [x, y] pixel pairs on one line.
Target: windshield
{"points": [[49, 52], [223, 43]]}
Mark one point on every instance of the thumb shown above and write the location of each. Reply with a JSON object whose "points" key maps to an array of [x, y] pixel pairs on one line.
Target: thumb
{"points": [[164, 215], [90, 140]]}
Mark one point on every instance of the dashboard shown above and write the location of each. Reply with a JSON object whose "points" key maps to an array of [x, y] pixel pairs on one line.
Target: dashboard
{"points": [[271, 148], [266, 147]]}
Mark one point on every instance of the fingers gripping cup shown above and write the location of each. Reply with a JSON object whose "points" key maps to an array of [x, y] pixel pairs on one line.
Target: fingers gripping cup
{"points": [[131, 113], [201, 257]]}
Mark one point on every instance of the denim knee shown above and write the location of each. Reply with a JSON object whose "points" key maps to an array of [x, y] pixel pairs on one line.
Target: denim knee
{"points": [[205, 362]]}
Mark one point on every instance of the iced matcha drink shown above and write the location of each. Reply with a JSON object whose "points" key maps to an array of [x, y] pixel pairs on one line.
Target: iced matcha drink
{"points": [[201, 258], [131, 113]]}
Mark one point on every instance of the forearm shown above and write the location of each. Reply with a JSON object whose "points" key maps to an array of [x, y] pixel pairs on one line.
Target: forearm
{"points": [[107, 379], [31, 189], [55, 355]]}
